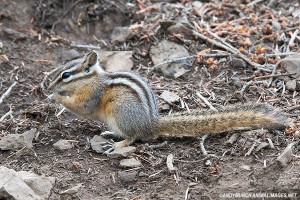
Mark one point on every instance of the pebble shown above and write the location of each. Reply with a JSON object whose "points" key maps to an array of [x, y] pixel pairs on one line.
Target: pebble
{"points": [[72, 190], [166, 51], [122, 152], [113, 61], [169, 97], [18, 141], [127, 176], [292, 85], [121, 34], [70, 54], [130, 163], [24, 185], [96, 143], [63, 145]]}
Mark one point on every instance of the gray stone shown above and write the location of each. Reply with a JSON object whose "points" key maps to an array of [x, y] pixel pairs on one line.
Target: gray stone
{"points": [[292, 85], [41, 185], [113, 61], [18, 141], [245, 167], [13, 187], [169, 97], [261, 146], [180, 29], [197, 4], [127, 176], [131, 163], [96, 143], [168, 51], [122, 152], [238, 63], [63, 145], [292, 65], [121, 34], [72, 190], [70, 54]]}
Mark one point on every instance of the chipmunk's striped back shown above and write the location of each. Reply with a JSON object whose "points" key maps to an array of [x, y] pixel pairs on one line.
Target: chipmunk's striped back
{"points": [[137, 84]]}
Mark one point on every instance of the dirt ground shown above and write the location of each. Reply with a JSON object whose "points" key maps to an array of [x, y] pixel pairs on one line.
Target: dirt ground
{"points": [[44, 30]]}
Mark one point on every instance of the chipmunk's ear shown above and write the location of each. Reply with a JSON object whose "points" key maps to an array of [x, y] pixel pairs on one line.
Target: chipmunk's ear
{"points": [[92, 58]]}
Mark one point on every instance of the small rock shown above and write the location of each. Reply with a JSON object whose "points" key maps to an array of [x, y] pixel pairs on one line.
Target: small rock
{"points": [[292, 85], [276, 25], [116, 60], [15, 35], [180, 72], [72, 190], [245, 167], [24, 185], [96, 143], [70, 55], [292, 65], [63, 145], [166, 51], [261, 146], [180, 29], [41, 185], [286, 155], [121, 34], [127, 176], [165, 106], [143, 174], [197, 4], [238, 63], [18, 141], [122, 152], [131, 162], [169, 97], [165, 24]]}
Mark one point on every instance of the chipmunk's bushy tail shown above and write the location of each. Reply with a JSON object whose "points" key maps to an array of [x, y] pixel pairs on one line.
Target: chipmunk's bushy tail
{"points": [[205, 122]]}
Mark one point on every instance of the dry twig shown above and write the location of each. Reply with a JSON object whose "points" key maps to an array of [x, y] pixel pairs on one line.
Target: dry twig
{"points": [[5, 94], [170, 159]]}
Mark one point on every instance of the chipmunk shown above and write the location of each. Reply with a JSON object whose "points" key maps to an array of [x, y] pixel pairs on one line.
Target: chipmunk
{"points": [[127, 105]]}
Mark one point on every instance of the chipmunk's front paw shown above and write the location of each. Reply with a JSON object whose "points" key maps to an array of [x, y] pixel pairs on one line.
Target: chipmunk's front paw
{"points": [[108, 146]]}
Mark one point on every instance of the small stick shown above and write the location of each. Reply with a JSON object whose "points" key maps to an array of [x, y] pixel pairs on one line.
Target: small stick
{"points": [[206, 101], [270, 143], [254, 2], [85, 46], [60, 112], [172, 61], [186, 196], [267, 76], [280, 54], [251, 149], [230, 49], [5, 94], [202, 139], [273, 73], [170, 159], [158, 146], [5, 115], [293, 37]]}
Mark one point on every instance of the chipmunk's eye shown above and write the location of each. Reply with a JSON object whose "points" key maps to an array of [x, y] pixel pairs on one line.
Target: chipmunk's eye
{"points": [[66, 75]]}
